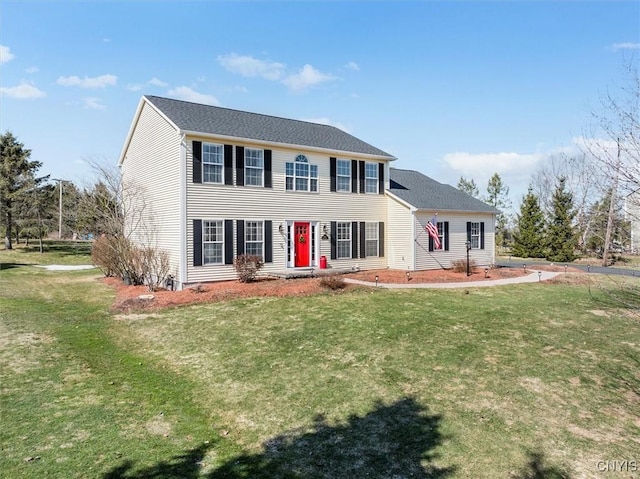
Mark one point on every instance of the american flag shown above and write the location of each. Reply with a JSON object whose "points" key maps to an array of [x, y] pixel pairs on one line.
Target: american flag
{"points": [[432, 229]]}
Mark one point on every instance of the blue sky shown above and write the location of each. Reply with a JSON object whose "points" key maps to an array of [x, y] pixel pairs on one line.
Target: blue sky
{"points": [[450, 88]]}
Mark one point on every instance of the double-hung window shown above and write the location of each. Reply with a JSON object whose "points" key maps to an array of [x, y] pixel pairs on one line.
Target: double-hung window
{"points": [[475, 235], [212, 242], [441, 234], [343, 175], [371, 177], [371, 239], [254, 238], [253, 167], [300, 175], [343, 240], [212, 163]]}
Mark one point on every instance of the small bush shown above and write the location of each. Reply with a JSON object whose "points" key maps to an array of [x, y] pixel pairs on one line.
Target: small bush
{"points": [[247, 267], [332, 281], [460, 266]]}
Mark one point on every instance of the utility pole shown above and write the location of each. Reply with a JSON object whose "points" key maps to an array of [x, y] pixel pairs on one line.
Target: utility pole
{"points": [[612, 201], [60, 181]]}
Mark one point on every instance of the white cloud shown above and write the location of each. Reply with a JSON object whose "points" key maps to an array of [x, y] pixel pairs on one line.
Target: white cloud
{"points": [[327, 121], [22, 91], [155, 82], [480, 165], [353, 66], [188, 94], [88, 82], [134, 87], [307, 77], [625, 46], [5, 54], [251, 67], [32, 70], [93, 103]]}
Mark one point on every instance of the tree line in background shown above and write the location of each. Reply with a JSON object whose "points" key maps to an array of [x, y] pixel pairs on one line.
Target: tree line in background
{"points": [[579, 204]]}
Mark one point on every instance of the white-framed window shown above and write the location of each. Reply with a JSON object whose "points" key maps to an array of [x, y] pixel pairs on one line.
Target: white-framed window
{"points": [[343, 175], [441, 234], [371, 239], [212, 242], [212, 163], [343, 240], [253, 167], [254, 238], [475, 235], [371, 177], [300, 175]]}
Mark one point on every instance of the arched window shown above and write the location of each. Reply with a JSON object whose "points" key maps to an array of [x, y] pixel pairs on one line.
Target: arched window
{"points": [[300, 175]]}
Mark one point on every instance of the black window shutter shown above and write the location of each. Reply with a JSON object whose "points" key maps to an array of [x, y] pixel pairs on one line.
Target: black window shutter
{"points": [[228, 164], [431, 245], [197, 162], [228, 241], [268, 241], [362, 177], [381, 178], [363, 240], [482, 235], [446, 236], [354, 176], [240, 238], [334, 245], [197, 242], [381, 239], [332, 173], [240, 166], [354, 239], [469, 231], [267, 169]]}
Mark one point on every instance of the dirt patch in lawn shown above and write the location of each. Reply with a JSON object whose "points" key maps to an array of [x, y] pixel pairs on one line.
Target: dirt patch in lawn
{"points": [[132, 298]]}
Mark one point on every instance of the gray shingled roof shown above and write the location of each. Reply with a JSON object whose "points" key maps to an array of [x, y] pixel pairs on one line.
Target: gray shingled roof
{"points": [[424, 193], [241, 124]]}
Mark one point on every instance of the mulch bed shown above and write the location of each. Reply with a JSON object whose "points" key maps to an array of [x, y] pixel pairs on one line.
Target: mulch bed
{"points": [[129, 299]]}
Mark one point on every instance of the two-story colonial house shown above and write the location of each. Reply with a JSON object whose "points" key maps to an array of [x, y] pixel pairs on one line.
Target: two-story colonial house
{"points": [[213, 183]]}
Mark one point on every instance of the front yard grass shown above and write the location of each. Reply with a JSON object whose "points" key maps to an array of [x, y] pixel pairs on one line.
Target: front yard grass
{"points": [[482, 383]]}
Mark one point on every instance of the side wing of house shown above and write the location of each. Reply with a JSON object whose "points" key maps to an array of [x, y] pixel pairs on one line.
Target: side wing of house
{"points": [[150, 167], [290, 205], [402, 247], [632, 213], [454, 230]]}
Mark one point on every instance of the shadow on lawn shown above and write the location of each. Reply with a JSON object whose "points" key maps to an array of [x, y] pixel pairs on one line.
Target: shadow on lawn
{"points": [[537, 469], [397, 440]]}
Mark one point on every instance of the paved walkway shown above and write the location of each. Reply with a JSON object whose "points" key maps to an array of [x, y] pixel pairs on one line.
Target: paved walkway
{"points": [[530, 278]]}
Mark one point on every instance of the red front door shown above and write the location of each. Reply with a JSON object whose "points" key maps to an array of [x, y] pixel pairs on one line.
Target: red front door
{"points": [[302, 244]]}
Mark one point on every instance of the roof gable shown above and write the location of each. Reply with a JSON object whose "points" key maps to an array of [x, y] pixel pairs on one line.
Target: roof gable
{"points": [[424, 193], [206, 119]]}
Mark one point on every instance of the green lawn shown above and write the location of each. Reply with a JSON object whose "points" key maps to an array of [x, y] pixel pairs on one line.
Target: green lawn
{"points": [[485, 383]]}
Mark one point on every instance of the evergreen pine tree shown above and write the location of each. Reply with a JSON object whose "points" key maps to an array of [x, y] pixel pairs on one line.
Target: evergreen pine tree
{"points": [[561, 240], [528, 241], [469, 187]]}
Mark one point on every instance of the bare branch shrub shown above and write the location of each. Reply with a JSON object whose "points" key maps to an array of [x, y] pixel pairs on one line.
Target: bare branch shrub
{"points": [[247, 267], [460, 266], [332, 281]]}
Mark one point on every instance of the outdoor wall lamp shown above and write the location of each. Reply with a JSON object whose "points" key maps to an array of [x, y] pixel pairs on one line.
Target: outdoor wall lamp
{"points": [[281, 228], [325, 232]]}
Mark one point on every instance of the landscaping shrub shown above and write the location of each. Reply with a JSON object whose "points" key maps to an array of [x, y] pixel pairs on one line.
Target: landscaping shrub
{"points": [[332, 281], [247, 267], [460, 265]]}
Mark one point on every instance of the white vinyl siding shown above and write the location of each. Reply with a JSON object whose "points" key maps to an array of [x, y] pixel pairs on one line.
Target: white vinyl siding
{"points": [[151, 169], [253, 167], [282, 207], [343, 175], [212, 163]]}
